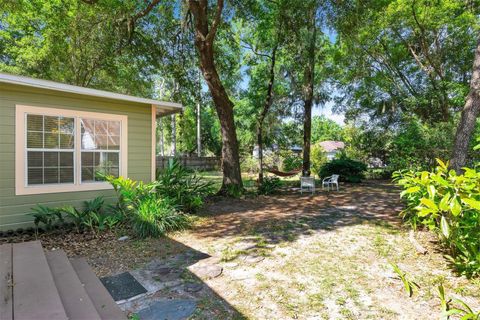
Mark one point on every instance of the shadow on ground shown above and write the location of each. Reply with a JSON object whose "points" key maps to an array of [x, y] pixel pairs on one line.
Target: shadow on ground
{"points": [[286, 216], [176, 288]]}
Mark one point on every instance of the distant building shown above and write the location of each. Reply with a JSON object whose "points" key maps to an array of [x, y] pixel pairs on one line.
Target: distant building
{"points": [[332, 148], [296, 149]]}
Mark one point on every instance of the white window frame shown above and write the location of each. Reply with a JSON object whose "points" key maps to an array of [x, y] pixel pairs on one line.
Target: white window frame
{"points": [[21, 186]]}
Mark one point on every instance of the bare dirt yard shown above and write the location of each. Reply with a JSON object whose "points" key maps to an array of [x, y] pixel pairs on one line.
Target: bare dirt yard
{"points": [[289, 256], [324, 257]]}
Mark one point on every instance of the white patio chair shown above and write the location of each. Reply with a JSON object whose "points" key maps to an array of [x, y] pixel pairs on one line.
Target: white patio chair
{"points": [[330, 181], [307, 183]]}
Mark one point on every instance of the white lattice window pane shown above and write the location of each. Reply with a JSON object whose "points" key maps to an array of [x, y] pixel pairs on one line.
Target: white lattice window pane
{"points": [[113, 142], [51, 124], [101, 141], [66, 141], [114, 128], [50, 133], [50, 175], [88, 134], [87, 174], [51, 140], [34, 139], [35, 159], [35, 176], [66, 159], [66, 125], [50, 159], [101, 127], [66, 174], [34, 122]]}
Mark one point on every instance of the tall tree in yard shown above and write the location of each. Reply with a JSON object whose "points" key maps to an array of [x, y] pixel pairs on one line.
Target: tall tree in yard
{"points": [[205, 30], [262, 34], [469, 116], [205, 33], [309, 78]]}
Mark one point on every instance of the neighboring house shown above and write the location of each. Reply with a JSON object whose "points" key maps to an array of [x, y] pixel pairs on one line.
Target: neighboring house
{"points": [[296, 149], [332, 148], [54, 137]]}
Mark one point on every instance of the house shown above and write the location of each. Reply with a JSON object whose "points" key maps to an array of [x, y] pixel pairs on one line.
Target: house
{"points": [[332, 148], [54, 137]]}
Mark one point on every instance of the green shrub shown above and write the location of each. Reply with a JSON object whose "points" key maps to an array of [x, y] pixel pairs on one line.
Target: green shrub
{"points": [[348, 169], [146, 210], [47, 216], [378, 174], [270, 185], [154, 217], [249, 164], [449, 205], [291, 161], [183, 187], [92, 216], [318, 158]]}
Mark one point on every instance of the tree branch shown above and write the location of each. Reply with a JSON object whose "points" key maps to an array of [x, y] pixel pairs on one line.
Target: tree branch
{"points": [[251, 48], [150, 6], [216, 21]]}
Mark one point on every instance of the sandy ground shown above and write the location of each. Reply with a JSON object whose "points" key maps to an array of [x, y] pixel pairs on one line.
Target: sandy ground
{"points": [[323, 257]]}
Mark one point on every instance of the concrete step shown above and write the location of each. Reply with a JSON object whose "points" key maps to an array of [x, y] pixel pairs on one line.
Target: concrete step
{"points": [[75, 299], [100, 297], [6, 288], [35, 295]]}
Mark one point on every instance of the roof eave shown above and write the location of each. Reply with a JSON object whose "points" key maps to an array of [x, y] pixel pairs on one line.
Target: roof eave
{"points": [[171, 107]]}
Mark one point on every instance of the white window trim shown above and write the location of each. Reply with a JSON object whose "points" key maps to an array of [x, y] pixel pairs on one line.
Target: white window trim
{"points": [[21, 187]]}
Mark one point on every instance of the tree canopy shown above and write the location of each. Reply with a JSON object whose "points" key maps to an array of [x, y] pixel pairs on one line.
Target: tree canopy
{"points": [[399, 70]]}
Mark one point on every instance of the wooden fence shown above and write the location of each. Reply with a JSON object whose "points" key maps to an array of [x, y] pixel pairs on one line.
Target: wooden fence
{"points": [[196, 163]]}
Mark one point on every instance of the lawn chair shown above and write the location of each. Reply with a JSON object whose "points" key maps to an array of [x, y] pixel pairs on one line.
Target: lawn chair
{"points": [[330, 181], [307, 183]]}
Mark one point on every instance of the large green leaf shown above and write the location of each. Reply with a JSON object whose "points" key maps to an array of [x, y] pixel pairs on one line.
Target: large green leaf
{"points": [[474, 204], [444, 227], [455, 207], [429, 203], [443, 205]]}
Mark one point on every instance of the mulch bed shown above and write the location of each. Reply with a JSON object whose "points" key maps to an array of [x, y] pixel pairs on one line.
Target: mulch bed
{"points": [[103, 251]]}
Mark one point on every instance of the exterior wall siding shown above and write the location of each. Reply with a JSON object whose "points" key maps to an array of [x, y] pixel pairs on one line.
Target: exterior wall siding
{"points": [[14, 210]]}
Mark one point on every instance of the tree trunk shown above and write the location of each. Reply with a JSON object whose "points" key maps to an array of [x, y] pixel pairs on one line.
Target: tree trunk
{"points": [[263, 114], [308, 95], [204, 39], [468, 118]]}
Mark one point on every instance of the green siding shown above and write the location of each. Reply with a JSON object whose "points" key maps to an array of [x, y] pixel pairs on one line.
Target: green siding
{"points": [[14, 209]]}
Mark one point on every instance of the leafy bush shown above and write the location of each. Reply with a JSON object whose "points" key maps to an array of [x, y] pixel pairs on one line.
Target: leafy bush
{"points": [[378, 174], [149, 214], [348, 169], [291, 161], [318, 157], [92, 216], [449, 205], [270, 185], [249, 164], [154, 217], [49, 217], [183, 187]]}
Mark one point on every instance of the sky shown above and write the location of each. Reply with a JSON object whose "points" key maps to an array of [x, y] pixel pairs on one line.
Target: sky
{"points": [[326, 111]]}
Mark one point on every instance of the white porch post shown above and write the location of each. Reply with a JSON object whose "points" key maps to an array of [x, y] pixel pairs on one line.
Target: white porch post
{"points": [[174, 136], [199, 137]]}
